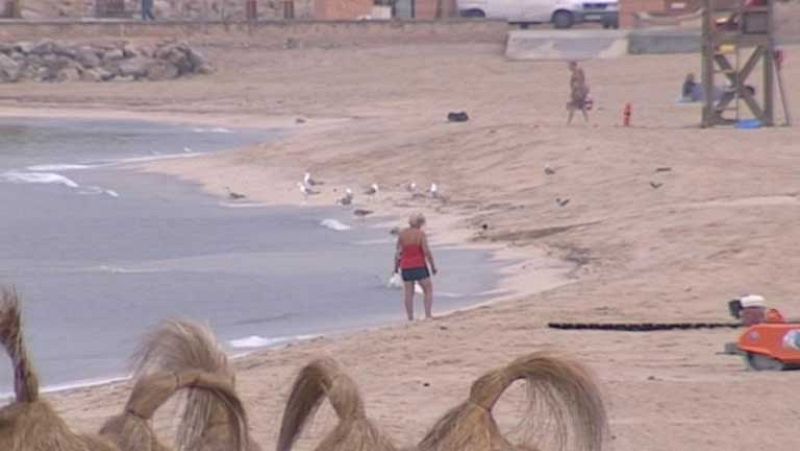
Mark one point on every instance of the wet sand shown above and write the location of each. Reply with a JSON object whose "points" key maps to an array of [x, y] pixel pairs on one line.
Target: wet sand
{"points": [[723, 223]]}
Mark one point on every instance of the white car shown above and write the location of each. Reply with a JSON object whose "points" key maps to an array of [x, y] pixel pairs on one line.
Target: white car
{"points": [[562, 13]]}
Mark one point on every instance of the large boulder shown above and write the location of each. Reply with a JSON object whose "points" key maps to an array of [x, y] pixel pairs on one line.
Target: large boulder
{"points": [[69, 73], [113, 55], [199, 63], [162, 70], [24, 47], [87, 57], [134, 67], [42, 48], [96, 74], [63, 50], [10, 70]]}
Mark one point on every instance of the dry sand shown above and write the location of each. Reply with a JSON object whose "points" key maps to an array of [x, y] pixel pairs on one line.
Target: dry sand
{"points": [[724, 223]]}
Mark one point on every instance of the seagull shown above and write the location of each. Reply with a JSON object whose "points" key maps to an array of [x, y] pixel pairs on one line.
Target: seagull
{"points": [[656, 185], [663, 169], [562, 202], [372, 190], [361, 212], [549, 170], [308, 181], [234, 195], [347, 199], [306, 190], [411, 187], [187, 149], [434, 190]]}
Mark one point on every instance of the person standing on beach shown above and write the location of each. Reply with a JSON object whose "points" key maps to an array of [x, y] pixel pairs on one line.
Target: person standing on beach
{"points": [[412, 259], [579, 92]]}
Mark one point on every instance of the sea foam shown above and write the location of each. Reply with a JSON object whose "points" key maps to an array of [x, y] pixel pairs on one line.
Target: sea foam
{"points": [[38, 177], [333, 224], [257, 341]]}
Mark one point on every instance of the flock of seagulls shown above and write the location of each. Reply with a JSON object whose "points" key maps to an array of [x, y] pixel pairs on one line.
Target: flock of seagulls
{"points": [[562, 202], [306, 187]]}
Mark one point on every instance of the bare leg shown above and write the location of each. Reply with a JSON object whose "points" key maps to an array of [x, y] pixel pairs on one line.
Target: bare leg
{"points": [[408, 295], [585, 114], [427, 288], [571, 113]]}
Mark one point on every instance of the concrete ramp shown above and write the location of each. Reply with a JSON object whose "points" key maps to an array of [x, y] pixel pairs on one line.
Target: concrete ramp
{"points": [[566, 44]]}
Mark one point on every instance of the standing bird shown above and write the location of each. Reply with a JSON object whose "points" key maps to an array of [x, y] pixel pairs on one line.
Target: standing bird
{"points": [[234, 195], [656, 185], [411, 187], [562, 202], [373, 190], [308, 181], [434, 190], [361, 212], [549, 170], [306, 190], [347, 199]]}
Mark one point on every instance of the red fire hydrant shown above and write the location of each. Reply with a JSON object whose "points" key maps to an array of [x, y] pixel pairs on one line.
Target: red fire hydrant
{"points": [[626, 115]]}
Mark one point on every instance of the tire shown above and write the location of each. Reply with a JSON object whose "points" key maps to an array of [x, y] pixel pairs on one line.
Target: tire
{"points": [[563, 19], [758, 362], [473, 14]]}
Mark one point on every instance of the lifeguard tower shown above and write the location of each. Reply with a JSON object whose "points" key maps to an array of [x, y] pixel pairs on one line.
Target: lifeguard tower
{"points": [[737, 36]]}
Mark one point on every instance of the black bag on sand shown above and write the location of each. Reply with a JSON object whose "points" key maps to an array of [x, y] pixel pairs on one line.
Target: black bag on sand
{"points": [[460, 116]]}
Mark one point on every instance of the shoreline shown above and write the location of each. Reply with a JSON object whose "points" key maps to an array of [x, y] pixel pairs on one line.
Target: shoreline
{"points": [[510, 260]]}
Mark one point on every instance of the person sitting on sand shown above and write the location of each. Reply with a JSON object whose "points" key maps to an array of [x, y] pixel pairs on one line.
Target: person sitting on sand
{"points": [[692, 91], [412, 259], [579, 92]]}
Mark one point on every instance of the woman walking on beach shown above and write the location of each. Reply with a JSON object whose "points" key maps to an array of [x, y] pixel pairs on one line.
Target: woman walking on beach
{"points": [[579, 92], [412, 259]]}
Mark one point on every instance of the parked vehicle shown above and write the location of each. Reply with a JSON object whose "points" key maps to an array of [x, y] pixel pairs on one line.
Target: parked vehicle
{"points": [[561, 13]]}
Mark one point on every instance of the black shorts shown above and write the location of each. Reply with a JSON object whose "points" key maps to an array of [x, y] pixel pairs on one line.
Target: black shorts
{"points": [[415, 274]]}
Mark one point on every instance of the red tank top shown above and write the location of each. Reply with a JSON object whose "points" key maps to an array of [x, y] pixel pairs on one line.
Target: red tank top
{"points": [[413, 257]]}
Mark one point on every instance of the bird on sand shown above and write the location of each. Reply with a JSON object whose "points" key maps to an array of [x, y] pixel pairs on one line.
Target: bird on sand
{"points": [[434, 190], [411, 187], [656, 185], [372, 190], [306, 190], [234, 195], [361, 212], [347, 199], [549, 170], [562, 202], [308, 181]]}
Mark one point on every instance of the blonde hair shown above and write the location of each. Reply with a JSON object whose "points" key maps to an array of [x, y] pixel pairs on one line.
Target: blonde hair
{"points": [[416, 220]]}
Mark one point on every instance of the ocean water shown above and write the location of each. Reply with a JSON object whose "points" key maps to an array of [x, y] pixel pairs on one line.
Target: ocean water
{"points": [[100, 253]]}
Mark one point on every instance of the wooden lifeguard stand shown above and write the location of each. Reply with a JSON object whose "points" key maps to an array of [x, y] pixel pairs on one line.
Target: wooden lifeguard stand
{"points": [[730, 29]]}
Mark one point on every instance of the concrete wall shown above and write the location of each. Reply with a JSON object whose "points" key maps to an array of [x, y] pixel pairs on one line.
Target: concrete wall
{"points": [[566, 45], [268, 34], [656, 41]]}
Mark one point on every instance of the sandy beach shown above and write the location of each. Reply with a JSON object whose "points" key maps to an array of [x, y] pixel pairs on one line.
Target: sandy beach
{"points": [[722, 223]]}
